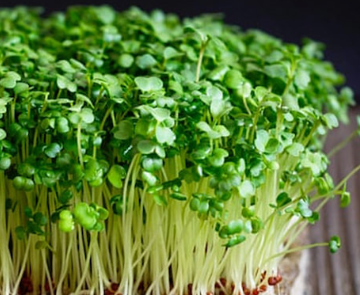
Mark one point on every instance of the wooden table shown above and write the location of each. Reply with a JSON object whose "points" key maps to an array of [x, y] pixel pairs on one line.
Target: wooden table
{"points": [[339, 274]]}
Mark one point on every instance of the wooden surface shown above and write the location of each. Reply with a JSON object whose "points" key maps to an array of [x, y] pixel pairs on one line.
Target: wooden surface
{"points": [[339, 274]]}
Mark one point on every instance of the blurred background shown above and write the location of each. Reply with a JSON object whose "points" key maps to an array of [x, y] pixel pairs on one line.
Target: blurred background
{"points": [[337, 25], [334, 23]]}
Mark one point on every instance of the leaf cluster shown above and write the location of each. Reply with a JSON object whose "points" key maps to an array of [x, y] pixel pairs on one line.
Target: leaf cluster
{"points": [[84, 92]]}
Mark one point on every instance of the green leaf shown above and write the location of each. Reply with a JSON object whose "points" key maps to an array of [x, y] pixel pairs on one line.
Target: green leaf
{"points": [[84, 98], [203, 207], [219, 131], [160, 114], [240, 166], [256, 225], [194, 204], [302, 79], [262, 138], [152, 164], [77, 64], [171, 52], [85, 215], [103, 213], [74, 118], [65, 215], [26, 169], [65, 197], [295, 149], [282, 199], [176, 87], [126, 60], [93, 170], [219, 107], [65, 83], [314, 162], [334, 244], [21, 88], [214, 93], [160, 151], [105, 14], [165, 135], [261, 92], [52, 150], [330, 120], [117, 204], [65, 66], [315, 216], [62, 125], [165, 102], [200, 33], [203, 126], [178, 196], [145, 127], [147, 84], [2, 134], [28, 212], [40, 245], [40, 218], [8, 82], [160, 200], [146, 146], [303, 208], [110, 34], [345, 199], [234, 79], [235, 227], [235, 241], [10, 79], [322, 185], [246, 189], [272, 146], [5, 163], [115, 175], [248, 226], [20, 232], [278, 71], [124, 130], [149, 178], [13, 75], [146, 61], [23, 183], [218, 73], [218, 156], [274, 56], [87, 115], [66, 223], [248, 212]]}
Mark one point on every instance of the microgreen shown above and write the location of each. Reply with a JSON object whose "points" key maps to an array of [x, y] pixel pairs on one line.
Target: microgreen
{"points": [[166, 153]]}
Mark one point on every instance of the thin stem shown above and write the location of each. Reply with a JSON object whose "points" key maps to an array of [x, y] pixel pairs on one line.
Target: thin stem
{"points": [[108, 111], [342, 144], [347, 177], [246, 105], [78, 140], [301, 248], [65, 267], [23, 266], [201, 56], [47, 272], [87, 263]]}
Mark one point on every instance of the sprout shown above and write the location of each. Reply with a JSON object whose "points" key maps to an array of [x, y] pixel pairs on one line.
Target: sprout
{"points": [[171, 156]]}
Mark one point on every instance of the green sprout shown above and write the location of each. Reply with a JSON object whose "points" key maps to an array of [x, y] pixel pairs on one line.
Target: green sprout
{"points": [[144, 154]]}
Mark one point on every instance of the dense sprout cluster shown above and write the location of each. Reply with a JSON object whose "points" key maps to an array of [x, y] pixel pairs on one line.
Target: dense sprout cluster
{"points": [[155, 153]]}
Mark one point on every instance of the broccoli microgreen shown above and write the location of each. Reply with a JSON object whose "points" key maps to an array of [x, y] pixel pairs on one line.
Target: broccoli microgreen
{"points": [[168, 154]]}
